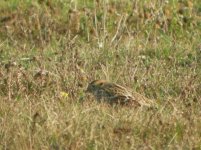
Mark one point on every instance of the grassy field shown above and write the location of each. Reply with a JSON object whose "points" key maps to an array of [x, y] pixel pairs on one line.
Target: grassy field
{"points": [[51, 50]]}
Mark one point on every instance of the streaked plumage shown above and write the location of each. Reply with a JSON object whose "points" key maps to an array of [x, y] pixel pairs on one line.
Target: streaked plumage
{"points": [[116, 94]]}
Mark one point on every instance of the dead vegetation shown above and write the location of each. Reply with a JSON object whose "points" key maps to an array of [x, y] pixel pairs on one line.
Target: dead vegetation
{"points": [[50, 51]]}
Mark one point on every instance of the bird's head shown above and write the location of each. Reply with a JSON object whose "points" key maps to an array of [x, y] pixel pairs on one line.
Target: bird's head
{"points": [[95, 85]]}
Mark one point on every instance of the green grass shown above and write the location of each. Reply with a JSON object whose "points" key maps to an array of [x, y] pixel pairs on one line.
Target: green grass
{"points": [[49, 52]]}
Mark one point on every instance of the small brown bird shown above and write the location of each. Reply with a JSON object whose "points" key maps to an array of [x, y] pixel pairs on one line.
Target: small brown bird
{"points": [[116, 94]]}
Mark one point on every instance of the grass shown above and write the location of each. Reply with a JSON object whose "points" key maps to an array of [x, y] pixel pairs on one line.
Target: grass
{"points": [[50, 51]]}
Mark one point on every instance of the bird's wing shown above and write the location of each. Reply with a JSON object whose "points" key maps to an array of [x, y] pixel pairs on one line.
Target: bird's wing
{"points": [[142, 100], [115, 89], [119, 93]]}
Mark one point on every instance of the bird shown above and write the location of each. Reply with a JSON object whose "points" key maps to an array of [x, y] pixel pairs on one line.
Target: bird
{"points": [[106, 91]]}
